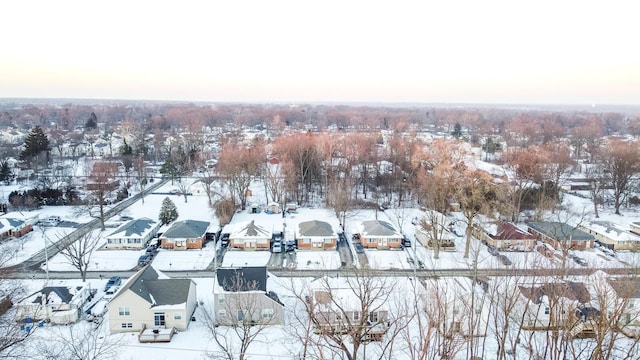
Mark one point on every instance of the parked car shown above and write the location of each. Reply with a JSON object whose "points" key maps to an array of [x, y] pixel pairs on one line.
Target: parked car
{"points": [[406, 242], [125, 218], [111, 292], [224, 240], [277, 247], [291, 246], [113, 281], [359, 248], [151, 250], [144, 259], [504, 259]]}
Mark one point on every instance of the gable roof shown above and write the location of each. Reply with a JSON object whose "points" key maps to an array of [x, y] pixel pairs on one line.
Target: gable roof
{"points": [[378, 228], [134, 227], [155, 290], [508, 231], [243, 279], [54, 294], [187, 229], [576, 291], [315, 228], [560, 231], [626, 288], [10, 223], [251, 229]]}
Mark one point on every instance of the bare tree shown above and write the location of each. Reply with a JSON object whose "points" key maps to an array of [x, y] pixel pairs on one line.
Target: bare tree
{"points": [[79, 252], [102, 182], [240, 166], [621, 161], [12, 336], [81, 341], [236, 318], [477, 195], [350, 312]]}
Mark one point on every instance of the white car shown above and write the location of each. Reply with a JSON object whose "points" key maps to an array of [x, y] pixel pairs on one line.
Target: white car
{"points": [[111, 292], [277, 248]]}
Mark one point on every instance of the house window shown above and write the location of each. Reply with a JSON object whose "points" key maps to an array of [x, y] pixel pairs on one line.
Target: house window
{"points": [[124, 311], [177, 316], [328, 241], [126, 325], [240, 315], [356, 316], [221, 299], [371, 241], [158, 319], [546, 310], [222, 312], [267, 314], [373, 317]]}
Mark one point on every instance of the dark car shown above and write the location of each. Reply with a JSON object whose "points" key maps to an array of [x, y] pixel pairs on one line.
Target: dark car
{"points": [[224, 240], [151, 250], [406, 242], [290, 246], [144, 260], [504, 260], [113, 281], [359, 248]]}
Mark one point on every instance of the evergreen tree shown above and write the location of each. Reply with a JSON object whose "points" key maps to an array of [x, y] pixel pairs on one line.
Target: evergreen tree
{"points": [[92, 122], [5, 172], [457, 131], [168, 212], [35, 143], [126, 154]]}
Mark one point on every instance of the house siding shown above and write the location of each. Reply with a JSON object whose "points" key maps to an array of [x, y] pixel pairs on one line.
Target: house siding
{"points": [[141, 313]]}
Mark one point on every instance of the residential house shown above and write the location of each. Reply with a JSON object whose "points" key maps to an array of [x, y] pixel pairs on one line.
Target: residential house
{"points": [[337, 308], [55, 304], [248, 235], [634, 227], [557, 305], [150, 300], [134, 234], [434, 225], [316, 235], [611, 235], [561, 235], [186, 234], [241, 295], [29, 218], [461, 309], [378, 234], [627, 290], [505, 236], [12, 227]]}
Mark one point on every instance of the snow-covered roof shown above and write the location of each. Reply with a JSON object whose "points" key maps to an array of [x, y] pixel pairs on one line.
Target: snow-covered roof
{"points": [[378, 228], [611, 230], [134, 228]]}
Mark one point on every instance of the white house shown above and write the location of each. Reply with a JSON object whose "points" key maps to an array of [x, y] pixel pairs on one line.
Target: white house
{"points": [[56, 304], [241, 295], [461, 309], [150, 300], [134, 234]]}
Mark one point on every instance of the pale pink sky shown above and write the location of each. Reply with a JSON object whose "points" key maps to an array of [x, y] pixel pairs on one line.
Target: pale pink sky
{"points": [[579, 52]]}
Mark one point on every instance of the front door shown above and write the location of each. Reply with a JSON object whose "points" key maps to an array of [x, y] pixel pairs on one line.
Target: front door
{"points": [[382, 243]]}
